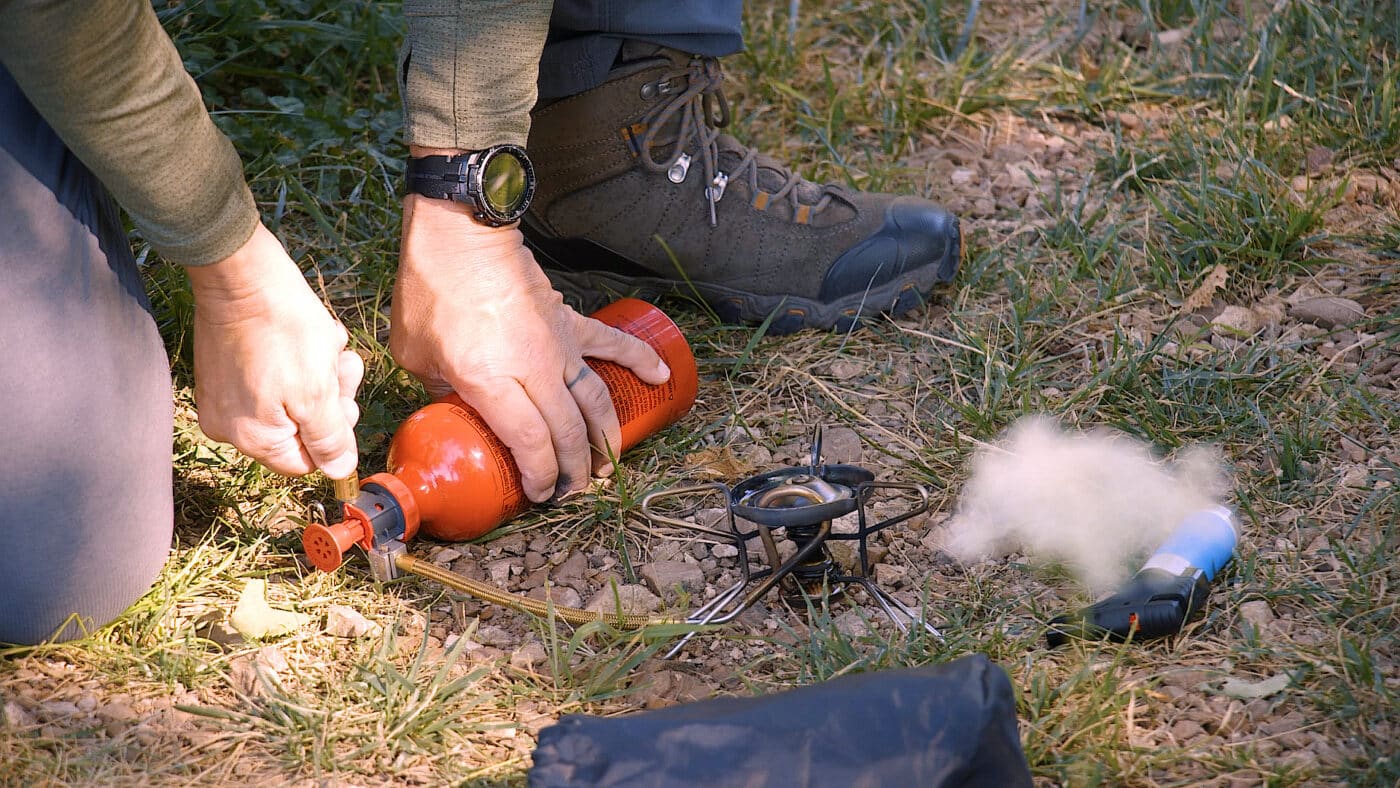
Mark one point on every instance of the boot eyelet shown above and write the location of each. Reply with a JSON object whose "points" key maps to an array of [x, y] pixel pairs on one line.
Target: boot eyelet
{"points": [[678, 171]]}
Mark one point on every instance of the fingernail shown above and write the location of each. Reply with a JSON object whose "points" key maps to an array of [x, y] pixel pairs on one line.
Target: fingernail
{"points": [[662, 369], [563, 491], [606, 470]]}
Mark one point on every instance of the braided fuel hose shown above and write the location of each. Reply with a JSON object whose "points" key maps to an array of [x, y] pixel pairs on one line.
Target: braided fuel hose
{"points": [[535, 607]]}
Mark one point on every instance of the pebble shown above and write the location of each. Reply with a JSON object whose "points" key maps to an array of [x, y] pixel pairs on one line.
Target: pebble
{"points": [[1255, 615], [1186, 730], [534, 560], [444, 556], [1353, 449], [1236, 321], [58, 709], [852, 625], [632, 599], [669, 578], [17, 717], [499, 570], [1328, 311], [841, 445], [528, 655], [562, 596], [724, 551], [346, 622], [572, 572]]}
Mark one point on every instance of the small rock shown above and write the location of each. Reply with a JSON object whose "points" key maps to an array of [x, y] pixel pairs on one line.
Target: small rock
{"points": [[87, 702], [16, 717], [1186, 730], [534, 560], [58, 709], [890, 576], [251, 673], [573, 572], [669, 578], [1353, 450], [962, 176], [490, 635], [1328, 311], [499, 570], [633, 599], [1256, 616], [841, 445], [346, 622], [724, 550], [528, 655], [1319, 159], [852, 625], [1187, 679], [1236, 322], [562, 596], [535, 579], [510, 544], [845, 369], [444, 556], [846, 554]]}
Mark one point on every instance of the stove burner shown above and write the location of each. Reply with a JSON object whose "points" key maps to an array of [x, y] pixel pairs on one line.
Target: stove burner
{"points": [[801, 503]]}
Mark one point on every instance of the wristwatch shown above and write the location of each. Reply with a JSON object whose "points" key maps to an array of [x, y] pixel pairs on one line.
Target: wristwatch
{"points": [[496, 182]]}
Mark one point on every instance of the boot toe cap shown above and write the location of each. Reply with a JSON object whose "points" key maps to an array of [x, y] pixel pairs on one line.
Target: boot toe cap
{"points": [[917, 242]]}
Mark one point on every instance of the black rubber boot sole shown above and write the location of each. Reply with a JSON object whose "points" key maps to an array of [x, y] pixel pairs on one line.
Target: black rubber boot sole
{"points": [[596, 276]]}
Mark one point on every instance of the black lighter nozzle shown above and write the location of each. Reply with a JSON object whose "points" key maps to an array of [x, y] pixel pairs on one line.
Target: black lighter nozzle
{"points": [[1153, 604]]}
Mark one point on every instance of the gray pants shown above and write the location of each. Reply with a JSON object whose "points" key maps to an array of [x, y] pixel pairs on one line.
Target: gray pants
{"points": [[585, 36], [85, 404]]}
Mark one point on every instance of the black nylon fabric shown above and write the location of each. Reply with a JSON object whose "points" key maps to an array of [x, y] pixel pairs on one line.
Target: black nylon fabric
{"points": [[941, 725]]}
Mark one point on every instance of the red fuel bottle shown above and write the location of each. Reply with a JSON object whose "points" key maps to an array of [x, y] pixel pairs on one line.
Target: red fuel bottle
{"points": [[451, 478]]}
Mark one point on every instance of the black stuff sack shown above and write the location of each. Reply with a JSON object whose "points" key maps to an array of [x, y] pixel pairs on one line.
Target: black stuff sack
{"points": [[941, 725]]}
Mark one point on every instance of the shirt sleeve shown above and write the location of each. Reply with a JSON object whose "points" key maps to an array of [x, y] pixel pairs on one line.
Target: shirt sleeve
{"points": [[468, 71], [107, 78]]}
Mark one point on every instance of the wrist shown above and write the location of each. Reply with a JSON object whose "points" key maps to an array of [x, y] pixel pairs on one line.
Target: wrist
{"points": [[259, 264]]}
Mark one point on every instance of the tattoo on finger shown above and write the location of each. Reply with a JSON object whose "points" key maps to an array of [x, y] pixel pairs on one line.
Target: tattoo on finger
{"points": [[582, 373]]}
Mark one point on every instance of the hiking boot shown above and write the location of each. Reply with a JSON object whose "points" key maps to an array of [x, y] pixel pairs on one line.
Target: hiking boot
{"points": [[641, 194]]}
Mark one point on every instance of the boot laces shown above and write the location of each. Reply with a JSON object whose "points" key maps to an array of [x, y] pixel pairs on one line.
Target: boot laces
{"points": [[697, 105]]}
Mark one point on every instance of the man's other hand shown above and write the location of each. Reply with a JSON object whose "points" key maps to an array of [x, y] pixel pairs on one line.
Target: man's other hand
{"points": [[473, 313], [272, 372]]}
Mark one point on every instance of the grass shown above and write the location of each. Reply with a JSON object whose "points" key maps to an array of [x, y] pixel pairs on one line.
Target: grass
{"points": [[1102, 172]]}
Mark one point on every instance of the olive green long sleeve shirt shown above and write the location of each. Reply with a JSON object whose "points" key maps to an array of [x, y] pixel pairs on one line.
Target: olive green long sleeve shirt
{"points": [[107, 78]]}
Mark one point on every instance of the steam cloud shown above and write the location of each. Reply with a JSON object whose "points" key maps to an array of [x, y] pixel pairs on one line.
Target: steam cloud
{"points": [[1091, 501]]}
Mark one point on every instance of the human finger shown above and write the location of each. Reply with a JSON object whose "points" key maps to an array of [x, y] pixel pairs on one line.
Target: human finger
{"points": [[568, 429], [594, 401], [511, 414], [597, 339], [325, 432]]}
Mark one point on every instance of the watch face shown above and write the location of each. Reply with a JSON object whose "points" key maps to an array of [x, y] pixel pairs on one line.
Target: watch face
{"points": [[504, 183]]}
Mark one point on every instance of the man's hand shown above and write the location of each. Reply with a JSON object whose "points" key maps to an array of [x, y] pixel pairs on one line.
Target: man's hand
{"points": [[474, 313], [272, 374]]}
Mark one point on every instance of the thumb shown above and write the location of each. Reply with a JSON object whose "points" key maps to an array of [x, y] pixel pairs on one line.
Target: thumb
{"points": [[324, 430]]}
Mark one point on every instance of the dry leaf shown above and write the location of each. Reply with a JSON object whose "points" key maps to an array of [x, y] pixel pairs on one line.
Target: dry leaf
{"points": [[254, 618], [717, 462], [1202, 296], [1249, 690]]}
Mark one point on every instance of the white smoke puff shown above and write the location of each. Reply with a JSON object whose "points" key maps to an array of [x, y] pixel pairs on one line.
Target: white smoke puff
{"points": [[1088, 500]]}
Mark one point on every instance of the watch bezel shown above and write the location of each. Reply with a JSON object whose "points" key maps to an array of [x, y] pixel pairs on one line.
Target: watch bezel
{"points": [[459, 178], [476, 171]]}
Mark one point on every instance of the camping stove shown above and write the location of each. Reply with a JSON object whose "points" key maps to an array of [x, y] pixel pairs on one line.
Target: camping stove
{"points": [[803, 504]]}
